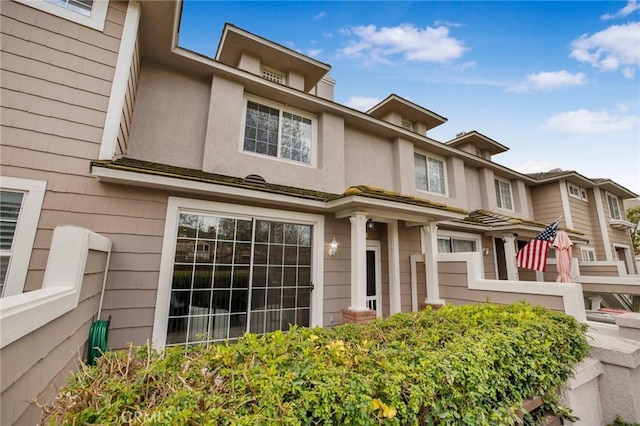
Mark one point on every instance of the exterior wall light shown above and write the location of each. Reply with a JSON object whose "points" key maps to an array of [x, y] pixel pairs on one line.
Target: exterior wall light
{"points": [[485, 251], [333, 247]]}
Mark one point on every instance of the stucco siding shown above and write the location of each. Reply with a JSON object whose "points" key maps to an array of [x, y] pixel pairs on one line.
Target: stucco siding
{"points": [[472, 184], [182, 103], [369, 159]]}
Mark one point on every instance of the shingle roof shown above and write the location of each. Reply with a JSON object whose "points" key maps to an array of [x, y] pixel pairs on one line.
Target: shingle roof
{"points": [[254, 182], [146, 167], [493, 219]]}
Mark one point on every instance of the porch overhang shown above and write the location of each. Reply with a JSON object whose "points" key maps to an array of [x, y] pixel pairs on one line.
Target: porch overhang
{"points": [[385, 206]]}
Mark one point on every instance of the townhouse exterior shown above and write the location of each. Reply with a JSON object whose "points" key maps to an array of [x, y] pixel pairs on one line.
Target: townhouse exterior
{"points": [[237, 194], [218, 178]]}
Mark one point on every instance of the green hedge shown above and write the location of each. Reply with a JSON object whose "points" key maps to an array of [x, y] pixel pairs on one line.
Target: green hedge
{"points": [[471, 365]]}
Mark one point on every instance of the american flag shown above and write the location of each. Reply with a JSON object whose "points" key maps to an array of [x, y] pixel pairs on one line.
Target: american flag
{"points": [[534, 254]]}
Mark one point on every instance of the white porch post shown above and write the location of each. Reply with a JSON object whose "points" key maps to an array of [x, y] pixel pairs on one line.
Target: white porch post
{"points": [[429, 239], [510, 256], [394, 266], [358, 262]]}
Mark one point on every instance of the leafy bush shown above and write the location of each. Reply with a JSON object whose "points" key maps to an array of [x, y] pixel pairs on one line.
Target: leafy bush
{"points": [[474, 365]]}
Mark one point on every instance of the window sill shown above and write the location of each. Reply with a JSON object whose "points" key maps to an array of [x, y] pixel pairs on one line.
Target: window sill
{"points": [[621, 224]]}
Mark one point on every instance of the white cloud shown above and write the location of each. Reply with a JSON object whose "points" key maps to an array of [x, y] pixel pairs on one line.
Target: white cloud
{"points": [[548, 81], [449, 24], [590, 122], [551, 80], [631, 7], [536, 166], [629, 72], [466, 65], [361, 103], [320, 15], [616, 47], [412, 43], [314, 53]]}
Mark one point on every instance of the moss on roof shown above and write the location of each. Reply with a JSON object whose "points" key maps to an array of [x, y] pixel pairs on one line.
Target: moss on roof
{"points": [[157, 169], [490, 219], [146, 167], [382, 194]]}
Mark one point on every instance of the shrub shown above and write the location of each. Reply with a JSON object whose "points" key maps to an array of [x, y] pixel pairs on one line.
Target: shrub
{"points": [[474, 365]]}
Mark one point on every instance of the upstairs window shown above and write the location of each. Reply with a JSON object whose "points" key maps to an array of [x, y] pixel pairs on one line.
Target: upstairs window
{"points": [[615, 209], [577, 192], [82, 7], [90, 13], [430, 174], [271, 131], [503, 194]]}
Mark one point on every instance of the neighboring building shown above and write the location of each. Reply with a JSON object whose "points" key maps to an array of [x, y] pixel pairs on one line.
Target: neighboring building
{"points": [[222, 182], [595, 207]]}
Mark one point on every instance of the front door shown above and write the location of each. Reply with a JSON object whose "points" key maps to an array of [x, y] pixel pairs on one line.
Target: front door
{"points": [[373, 278]]}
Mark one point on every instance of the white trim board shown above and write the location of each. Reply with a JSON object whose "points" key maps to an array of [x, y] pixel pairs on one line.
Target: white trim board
{"points": [[25, 232], [24, 313]]}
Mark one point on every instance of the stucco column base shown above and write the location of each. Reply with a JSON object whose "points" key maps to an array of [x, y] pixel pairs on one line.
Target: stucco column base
{"points": [[423, 305], [358, 317], [620, 380]]}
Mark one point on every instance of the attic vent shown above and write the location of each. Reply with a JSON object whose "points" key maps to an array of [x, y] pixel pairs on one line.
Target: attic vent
{"points": [[255, 180], [272, 75], [406, 124]]}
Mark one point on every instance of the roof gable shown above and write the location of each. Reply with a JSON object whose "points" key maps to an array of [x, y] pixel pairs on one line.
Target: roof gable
{"points": [[235, 42]]}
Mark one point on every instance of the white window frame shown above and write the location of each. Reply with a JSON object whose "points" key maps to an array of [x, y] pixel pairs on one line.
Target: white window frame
{"points": [[498, 194], [282, 108], [589, 250], [25, 232], [580, 192], [621, 212], [95, 20], [177, 205], [428, 156], [461, 236]]}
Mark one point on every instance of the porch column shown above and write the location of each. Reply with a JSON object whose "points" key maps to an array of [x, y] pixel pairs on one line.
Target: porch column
{"points": [[394, 266], [429, 240], [358, 262], [510, 256]]}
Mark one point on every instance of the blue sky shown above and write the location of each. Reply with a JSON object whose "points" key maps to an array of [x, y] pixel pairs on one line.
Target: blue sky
{"points": [[557, 82]]}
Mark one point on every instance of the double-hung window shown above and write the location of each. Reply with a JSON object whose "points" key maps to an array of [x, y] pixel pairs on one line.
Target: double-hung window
{"points": [[430, 174], [270, 130], [90, 13], [20, 203], [615, 209], [503, 194]]}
